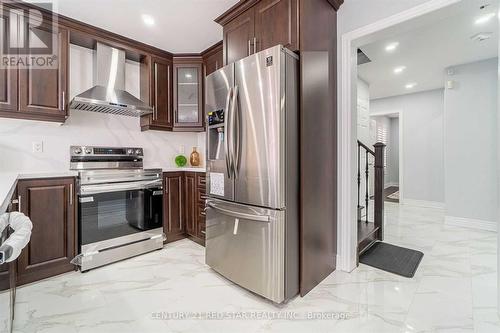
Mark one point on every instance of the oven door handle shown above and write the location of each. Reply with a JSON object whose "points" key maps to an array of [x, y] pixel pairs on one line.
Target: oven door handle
{"points": [[108, 188]]}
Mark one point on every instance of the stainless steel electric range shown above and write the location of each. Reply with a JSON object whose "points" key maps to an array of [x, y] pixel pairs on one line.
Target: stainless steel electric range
{"points": [[120, 204]]}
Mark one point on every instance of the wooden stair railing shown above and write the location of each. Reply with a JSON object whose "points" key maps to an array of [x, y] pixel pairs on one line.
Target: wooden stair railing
{"points": [[369, 233]]}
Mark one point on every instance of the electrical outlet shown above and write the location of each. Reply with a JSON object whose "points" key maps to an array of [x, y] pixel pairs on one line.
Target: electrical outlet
{"points": [[38, 147], [182, 149]]}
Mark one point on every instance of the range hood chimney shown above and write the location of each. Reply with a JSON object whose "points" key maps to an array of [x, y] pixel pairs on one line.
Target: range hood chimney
{"points": [[109, 95]]}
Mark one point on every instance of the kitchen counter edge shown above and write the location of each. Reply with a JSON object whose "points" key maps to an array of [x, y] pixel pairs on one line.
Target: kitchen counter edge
{"points": [[8, 183]]}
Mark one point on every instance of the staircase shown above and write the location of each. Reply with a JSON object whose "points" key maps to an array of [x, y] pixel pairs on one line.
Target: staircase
{"points": [[370, 207]]}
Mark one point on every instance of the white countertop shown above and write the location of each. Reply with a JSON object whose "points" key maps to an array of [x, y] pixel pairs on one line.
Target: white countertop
{"points": [[8, 181], [176, 169]]}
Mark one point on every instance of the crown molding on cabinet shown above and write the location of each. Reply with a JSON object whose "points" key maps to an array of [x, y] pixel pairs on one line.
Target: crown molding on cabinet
{"points": [[243, 5]]}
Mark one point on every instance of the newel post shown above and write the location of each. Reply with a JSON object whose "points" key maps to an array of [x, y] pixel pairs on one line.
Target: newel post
{"points": [[379, 189]]}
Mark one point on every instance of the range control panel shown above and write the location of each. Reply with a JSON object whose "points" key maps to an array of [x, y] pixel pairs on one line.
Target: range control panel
{"points": [[105, 151]]}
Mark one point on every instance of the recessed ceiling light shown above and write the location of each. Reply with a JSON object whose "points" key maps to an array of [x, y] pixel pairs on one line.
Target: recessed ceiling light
{"points": [[485, 18], [411, 85], [391, 47], [399, 69], [148, 19]]}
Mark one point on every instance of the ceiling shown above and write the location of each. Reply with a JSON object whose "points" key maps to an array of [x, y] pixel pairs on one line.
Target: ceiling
{"points": [[427, 46], [181, 26]]}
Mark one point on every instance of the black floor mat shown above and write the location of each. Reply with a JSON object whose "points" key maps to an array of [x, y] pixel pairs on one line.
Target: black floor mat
{"points": [[393, 259]]}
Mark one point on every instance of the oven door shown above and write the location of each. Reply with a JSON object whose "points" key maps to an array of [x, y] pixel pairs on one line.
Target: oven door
{"points": [[114, 211]]}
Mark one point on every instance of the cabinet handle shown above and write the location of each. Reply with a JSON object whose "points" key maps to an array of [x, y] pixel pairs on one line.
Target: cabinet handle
{"points": [[64, 101], [203, 232], [155, 107], [181, 205], [249, 46], [168, 96], [255, 45], [19, 203], [71, 194]]}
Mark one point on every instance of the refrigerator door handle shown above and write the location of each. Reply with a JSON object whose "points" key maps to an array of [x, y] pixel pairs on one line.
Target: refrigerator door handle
{"points": [[226, 134], [252, 217], [235, 133]]}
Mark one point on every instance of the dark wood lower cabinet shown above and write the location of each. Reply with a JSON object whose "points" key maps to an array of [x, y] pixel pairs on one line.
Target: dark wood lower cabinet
{"points": [[8, 270], [173, 209], [50, 204], [184, 206], [195, 207], [190, 207]]}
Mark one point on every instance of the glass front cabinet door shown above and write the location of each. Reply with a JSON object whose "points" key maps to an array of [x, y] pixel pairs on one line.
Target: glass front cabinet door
{"points": [[188, 96]]}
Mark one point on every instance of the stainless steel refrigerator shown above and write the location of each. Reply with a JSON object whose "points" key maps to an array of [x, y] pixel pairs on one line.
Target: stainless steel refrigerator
{"points": [[252, 228]]}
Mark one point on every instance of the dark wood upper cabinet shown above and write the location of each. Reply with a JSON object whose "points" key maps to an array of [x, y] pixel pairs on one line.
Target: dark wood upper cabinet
{"points": [[43, 91], [188, 94], [8, 77], [239, 37], [253, 26], [173, 209], [276, 23], [36, 93], [50, 204], [8, 93], [213, 58], [156, 84]]}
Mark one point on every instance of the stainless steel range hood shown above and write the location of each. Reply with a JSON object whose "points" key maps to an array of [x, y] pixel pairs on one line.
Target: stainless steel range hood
{"points": [[109, 95]]}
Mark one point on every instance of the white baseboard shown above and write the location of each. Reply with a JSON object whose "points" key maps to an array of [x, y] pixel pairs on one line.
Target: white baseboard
{"points": [[471, 223], [423, 203], [391, 185]]}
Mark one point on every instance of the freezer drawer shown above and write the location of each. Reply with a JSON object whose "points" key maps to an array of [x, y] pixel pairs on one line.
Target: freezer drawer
{"points": [[247, 245]]}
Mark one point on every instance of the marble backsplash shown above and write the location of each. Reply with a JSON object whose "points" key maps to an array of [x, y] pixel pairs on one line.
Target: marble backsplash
{"points": [[86, 128]]}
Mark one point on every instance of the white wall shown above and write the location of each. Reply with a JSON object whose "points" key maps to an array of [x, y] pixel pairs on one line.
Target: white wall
{"points": [[363, 102], [422, 127], [86, 128], [393, 153], [471, 142], [384, 127]]}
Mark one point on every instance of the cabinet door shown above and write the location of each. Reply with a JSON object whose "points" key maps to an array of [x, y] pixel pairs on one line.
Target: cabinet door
{"points": [[188, 96], [50, 204], [162, 93], [238, 37], [191, 203], [214, 62], [8, 77], [276, 22], [173, 210], [201, 182], [201, 222], [42, 91], [7, 269]]}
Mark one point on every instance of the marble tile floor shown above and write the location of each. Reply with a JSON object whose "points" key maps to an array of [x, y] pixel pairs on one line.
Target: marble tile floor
{"points": [[172, 290]]}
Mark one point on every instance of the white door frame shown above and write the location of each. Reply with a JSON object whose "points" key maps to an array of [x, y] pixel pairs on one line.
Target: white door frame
{"points": [[401, 149], [347, 228]]}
